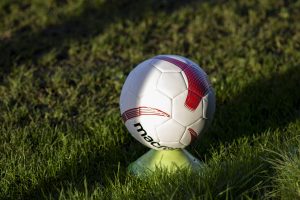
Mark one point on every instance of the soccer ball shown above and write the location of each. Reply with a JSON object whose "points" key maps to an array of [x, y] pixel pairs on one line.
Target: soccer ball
{"points": [[166, 102]]}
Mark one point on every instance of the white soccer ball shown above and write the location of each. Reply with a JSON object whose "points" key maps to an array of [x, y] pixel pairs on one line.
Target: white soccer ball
{"points": [[166, 102]]}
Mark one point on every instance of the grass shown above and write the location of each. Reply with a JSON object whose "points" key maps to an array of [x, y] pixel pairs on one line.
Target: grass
{"points": [[62, 67]]}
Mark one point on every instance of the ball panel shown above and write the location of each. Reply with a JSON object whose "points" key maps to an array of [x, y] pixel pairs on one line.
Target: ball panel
{"points": [[193, 131], [143, 79], [149, 111], [138, 131], [182, 114], [157, 100], [170, 131], [144, 130], [164, 66], [186, 138], [171, 84], [130, 80], [198, 126], [127, 100]]}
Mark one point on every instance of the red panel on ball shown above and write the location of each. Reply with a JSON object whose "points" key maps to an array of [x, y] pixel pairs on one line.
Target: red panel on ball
{"points": [[198, 84]]}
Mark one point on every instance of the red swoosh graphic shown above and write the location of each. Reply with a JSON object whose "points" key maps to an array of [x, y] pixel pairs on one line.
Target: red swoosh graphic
{"points": [[198, 84], [136, 112]]}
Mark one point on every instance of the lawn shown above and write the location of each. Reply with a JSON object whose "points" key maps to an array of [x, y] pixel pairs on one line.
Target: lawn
{"points": [[62, 66]]}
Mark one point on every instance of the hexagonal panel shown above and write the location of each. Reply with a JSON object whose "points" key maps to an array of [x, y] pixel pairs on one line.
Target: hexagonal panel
{"points": [[182, 114], [170, 131], [171, 84], [143, 79]]}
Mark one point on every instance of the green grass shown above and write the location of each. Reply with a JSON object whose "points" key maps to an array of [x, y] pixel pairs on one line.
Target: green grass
{"points": [[62, 67]]}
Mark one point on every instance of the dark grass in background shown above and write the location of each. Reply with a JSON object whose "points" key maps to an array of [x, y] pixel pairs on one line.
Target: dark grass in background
{"points": [[90, 20]]}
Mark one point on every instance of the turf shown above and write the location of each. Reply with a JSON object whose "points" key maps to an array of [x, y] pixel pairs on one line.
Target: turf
{"points": [[62, 67]]}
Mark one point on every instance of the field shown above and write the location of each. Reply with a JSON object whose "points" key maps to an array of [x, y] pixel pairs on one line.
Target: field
{"points": [[62, 66]]}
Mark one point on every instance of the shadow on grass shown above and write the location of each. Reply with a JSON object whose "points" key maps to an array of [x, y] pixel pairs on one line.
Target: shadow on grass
{"points": [[266, 104], [27, 46]]}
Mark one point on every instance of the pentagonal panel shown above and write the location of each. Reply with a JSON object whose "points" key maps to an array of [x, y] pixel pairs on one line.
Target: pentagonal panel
{"points": [[170, 131], [193, 131], [182, 114], [171, 84], [209, 105], [143, 79]]}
